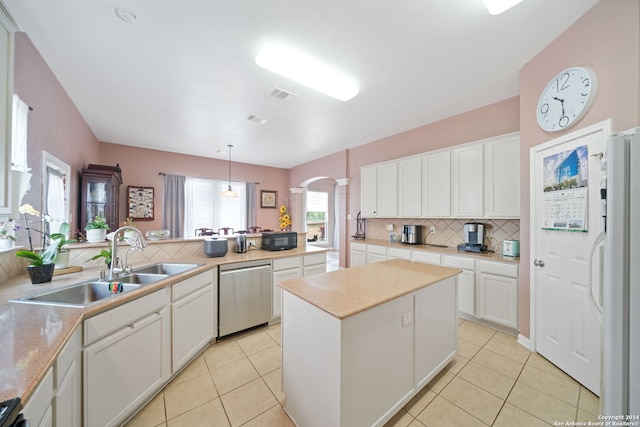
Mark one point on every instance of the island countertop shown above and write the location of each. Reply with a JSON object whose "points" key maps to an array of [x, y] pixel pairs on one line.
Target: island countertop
{"points": [[346, 292]]}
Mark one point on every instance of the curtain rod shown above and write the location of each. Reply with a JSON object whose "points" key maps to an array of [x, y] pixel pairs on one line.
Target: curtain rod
{"points": [[199, 177]]}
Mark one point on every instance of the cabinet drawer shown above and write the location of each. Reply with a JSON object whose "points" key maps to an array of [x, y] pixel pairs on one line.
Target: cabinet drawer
{"points": [[425, 257], [105, 323], [362, 247], [399, 253], [70, 351], [374, 249], [498, 268], [457, 262], [315, 259], [287, 263], [191, 284]]}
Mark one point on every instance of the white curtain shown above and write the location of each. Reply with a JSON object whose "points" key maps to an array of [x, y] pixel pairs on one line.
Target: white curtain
{"points": [[19, 134], [55, 199]]}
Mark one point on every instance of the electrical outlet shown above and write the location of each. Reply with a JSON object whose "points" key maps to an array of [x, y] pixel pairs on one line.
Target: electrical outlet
{"points": [[251, 242], [489, 233], [432, 229], [389, 227]]}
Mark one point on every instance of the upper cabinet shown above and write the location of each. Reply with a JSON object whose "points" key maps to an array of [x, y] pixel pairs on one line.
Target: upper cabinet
{"points": [[475, 180], [6, 97]]}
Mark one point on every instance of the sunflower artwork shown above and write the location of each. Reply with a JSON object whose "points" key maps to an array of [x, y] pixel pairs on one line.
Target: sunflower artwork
{"points": [[285, 219]]}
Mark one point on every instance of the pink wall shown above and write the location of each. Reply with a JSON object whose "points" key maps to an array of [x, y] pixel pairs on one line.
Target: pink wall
{"points": [[141, 167], [55, 125], [606, 40], [331, 166]]}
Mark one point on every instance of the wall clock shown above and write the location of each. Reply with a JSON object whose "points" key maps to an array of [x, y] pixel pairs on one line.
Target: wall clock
{"points": [[566, 99]]}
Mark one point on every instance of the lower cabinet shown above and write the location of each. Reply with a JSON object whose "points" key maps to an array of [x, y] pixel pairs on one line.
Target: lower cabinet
{"points": [[314, 264], [193, 317], [67, 382], [39, 409], [126, 358], [358, 254], [498, 293], [376, 253], [466, 282], [283, 269]]}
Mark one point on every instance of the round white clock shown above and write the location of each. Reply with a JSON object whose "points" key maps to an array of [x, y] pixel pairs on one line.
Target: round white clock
{"points": [[566, 99]]}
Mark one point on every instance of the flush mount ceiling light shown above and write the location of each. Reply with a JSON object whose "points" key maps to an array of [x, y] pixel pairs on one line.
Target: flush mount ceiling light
{"points": [[125, 15], [229, 192], [496, 7], [306, 70]]}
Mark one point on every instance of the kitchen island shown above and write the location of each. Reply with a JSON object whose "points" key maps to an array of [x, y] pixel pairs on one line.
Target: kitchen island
{"points": [[359, 343]]}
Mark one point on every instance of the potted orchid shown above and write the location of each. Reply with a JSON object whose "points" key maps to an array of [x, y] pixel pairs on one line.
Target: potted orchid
{"points": [[60, 240], [7, 231], [41, 263]]}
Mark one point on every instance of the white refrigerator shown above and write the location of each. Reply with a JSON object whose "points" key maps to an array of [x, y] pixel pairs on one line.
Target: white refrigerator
{"points": [[621, 322]]}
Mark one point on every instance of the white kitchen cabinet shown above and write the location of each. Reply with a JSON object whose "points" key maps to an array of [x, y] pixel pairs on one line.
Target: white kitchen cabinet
{"points": [[436, 185], [410, 188], [466, 282], [376, 253], [193, 317], [358, 254], [38, 409], [398, 253], [314, 264], [502, 177], [379, 190], [283, 269], [425, 257], [67, 383], [498, 293], [126, 358], [468, 181], [6, 100]]}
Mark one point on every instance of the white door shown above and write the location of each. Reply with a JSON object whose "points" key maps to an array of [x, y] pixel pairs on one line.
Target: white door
{"points": [[567, 328]]}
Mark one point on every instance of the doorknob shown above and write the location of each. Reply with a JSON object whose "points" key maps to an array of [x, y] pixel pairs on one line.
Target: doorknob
{"points": [[538, 263]]}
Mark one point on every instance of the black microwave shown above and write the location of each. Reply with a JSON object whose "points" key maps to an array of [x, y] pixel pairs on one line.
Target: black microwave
{"points": [[279, 241]]}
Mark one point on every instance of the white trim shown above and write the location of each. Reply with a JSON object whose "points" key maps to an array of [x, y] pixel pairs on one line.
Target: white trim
{"points": [[604, 126], [526, 342]]}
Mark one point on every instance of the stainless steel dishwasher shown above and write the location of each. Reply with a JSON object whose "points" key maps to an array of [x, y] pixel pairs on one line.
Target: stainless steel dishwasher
{"points": [[244, 296]]}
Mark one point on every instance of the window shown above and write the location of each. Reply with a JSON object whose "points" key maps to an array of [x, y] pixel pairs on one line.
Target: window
{"points": [[19, 134], [206, 208], [317, 216]]}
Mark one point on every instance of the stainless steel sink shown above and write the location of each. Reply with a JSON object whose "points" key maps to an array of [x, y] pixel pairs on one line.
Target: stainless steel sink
{"points": [[140, 278], [167, 268], [78, 295]]}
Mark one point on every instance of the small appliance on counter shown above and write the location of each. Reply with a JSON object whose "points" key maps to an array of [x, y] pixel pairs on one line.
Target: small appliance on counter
{"points": [[214, 247], [241, 243], [511, 248], [10, 415], [412, 234], [279, 241], [473, 238]]}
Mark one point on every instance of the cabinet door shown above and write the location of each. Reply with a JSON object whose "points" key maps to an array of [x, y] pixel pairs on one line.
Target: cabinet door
{"points": [[387, 194], [68, 398], [314, 269], [436, 185], [192, 325], [124, 369], [466, 292], [357, 258], [502, 177], [276, 301], [498, 299], [369, 191], [410, 188], [468, 181]]}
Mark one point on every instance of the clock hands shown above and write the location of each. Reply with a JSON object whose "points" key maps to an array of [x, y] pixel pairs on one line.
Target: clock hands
{"points": [[564, 120]]}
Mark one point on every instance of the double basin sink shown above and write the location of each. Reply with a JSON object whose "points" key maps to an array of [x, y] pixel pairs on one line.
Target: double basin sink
{"points": [[90, 292]]}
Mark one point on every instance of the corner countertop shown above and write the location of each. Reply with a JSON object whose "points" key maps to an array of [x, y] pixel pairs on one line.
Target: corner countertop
{"points": [[488, 256], [346, 292], [33, 335]]}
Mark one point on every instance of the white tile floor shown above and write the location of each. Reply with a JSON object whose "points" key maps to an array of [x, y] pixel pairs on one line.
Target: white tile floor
{"points": [[492, 382]]}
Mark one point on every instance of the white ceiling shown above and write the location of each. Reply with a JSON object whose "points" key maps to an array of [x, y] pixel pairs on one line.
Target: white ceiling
{"points": [[183, 78]]}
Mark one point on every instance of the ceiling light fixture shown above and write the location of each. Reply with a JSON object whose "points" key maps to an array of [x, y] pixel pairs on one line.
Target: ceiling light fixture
{"points": [[229, 192], [306, 70], [496, 7]]}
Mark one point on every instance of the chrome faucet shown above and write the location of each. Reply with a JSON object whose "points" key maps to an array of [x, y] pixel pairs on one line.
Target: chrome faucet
{"points": [[137, 243]]}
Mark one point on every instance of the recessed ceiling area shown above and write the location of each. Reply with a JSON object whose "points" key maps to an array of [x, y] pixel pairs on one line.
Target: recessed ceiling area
{"points": [[182, 76]]}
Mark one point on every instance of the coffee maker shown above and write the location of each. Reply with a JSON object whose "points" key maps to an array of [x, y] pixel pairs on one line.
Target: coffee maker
{"points": [[473, 238], [412, 234]]}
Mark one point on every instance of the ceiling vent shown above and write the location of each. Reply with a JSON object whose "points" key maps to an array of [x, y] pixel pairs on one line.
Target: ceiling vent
{"points": [[257, 119], [283, 94]]}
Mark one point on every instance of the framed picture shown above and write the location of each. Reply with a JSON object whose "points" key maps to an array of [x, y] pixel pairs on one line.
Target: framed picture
{"points": [[268, 199], [140, 201]]}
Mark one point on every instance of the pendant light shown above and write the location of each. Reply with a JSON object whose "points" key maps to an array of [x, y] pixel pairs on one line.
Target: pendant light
{"points": [[229, 192]]}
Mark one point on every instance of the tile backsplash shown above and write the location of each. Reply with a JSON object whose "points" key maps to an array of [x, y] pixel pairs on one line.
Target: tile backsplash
{"points": [[448, 231]]}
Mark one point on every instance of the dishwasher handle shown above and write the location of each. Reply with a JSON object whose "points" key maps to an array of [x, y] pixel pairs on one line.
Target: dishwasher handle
{"points": [[235, 270]]}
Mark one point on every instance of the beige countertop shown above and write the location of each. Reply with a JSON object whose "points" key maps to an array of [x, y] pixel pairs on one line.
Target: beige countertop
{"points": [[32, 335], [346, 292], [489, 256]]}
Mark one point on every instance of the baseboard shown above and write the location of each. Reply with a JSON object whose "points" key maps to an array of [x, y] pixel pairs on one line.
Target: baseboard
{"points": [[525, 342]]}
